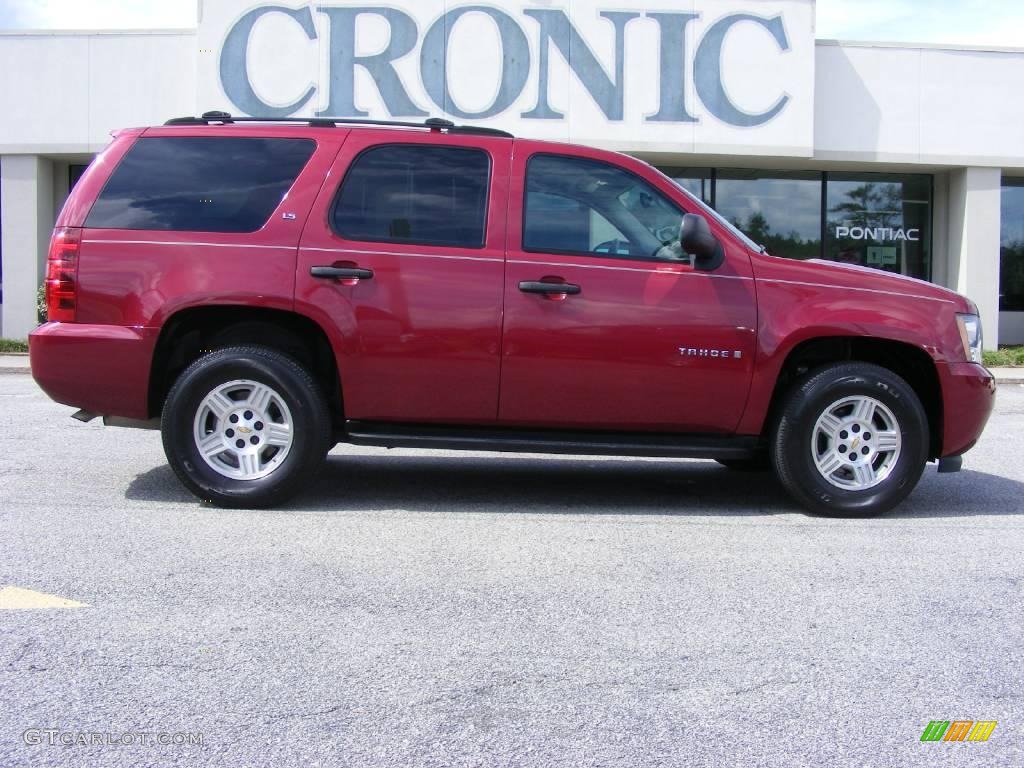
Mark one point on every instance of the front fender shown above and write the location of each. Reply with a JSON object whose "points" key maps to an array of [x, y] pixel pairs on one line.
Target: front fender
{"points": [[794, 312]]}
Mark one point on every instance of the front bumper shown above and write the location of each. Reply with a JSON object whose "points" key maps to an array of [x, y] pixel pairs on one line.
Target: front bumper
{"points": [[99, 368], [968, 396]]}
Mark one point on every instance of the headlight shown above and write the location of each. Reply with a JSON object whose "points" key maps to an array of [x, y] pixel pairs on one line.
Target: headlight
{"points": [[970, 334]]}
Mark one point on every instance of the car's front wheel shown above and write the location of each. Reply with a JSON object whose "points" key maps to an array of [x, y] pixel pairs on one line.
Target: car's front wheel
{"points": [[245, 426], [851, 440]]}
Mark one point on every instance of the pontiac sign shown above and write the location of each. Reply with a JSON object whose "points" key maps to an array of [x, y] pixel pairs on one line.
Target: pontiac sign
{"points": [[880, 234], [714, 75]]}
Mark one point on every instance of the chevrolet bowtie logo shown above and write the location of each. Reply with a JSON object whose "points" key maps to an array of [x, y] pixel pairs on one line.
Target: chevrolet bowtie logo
{"points": [[244, 430]]}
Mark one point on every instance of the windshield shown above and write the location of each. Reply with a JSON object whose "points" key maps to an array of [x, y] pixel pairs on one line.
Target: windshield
{"points": [[719, 218]]}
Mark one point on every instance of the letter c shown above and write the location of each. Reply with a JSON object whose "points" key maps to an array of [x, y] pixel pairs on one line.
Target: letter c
{"points": [[708, 71], [234, 68]]}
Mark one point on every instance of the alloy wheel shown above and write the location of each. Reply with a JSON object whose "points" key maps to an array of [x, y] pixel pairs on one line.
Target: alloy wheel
{"points": [[243, 429], [856, 443]]}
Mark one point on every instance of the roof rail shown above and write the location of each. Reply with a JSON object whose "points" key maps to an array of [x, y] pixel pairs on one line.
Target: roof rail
{"points": [[433, 123]]}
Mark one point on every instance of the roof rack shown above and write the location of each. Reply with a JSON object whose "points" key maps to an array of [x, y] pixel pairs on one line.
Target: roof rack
{"points": [[433, 123]]}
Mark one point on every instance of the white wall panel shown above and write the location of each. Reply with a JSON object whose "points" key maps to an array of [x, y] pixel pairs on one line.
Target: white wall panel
{"points": [[972, 107], [44, 92], [919, 105], [64, 93], [750, 56], [139, 81]]}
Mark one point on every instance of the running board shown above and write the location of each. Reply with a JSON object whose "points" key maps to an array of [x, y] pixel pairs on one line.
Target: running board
{"points": [[550, 441]]}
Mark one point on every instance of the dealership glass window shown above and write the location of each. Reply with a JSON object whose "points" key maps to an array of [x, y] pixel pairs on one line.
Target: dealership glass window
{"points": [[1011, 272], [880, 220], [75, 173], [415, 194], [696, 181], [199, 184], [780, 210], [1, 257]]}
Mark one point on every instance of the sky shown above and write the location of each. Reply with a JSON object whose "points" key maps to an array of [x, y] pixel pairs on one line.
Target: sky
{"points": [[963, 22], [955, 22]]}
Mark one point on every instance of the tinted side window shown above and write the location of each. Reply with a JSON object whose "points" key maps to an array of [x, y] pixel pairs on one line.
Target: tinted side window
{"points": [[415, 194], [200, 184], [575, 205]]}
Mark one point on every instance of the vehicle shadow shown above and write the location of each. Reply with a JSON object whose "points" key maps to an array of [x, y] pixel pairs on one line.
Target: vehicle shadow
{"points": [[511, 484]]}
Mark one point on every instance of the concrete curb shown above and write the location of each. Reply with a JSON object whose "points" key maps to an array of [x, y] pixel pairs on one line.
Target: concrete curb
{"points": [[14, 362], [1008, 375]]}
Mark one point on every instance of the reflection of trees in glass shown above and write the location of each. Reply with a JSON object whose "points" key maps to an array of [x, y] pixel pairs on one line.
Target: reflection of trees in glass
{"points": [[876, 206], [1011, 269], [1011, 276], [791, 246], [870, 205]]}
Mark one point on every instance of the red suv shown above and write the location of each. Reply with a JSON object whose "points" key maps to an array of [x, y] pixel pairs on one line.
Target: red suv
{"points": [[260, 290]]}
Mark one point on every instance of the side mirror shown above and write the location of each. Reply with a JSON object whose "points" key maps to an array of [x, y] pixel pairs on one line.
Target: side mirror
{"points": [[696, 239]]}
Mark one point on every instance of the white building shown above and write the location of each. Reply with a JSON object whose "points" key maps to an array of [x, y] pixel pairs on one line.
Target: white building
{"points": [[903, 157]]}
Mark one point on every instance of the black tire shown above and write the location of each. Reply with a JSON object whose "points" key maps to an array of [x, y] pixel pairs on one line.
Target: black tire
{"points": [[791, 444], [310, 426], [760, 463]]}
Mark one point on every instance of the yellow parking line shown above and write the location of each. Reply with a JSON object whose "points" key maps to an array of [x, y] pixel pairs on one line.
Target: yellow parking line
{"points": [[16, 598]]}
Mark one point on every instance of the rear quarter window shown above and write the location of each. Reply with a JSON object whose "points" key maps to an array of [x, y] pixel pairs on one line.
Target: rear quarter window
{"points": [[199, 184]]}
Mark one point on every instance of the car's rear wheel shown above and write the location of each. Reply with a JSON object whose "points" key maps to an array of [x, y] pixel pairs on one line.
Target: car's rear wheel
{"points": [[852, 440], [245, 426]]}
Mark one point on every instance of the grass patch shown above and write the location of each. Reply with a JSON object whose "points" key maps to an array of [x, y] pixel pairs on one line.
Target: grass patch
{"points": [[10, 345], [1005, 357]]}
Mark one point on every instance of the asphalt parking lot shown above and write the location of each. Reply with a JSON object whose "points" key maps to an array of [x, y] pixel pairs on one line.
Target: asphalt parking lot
{"points": [[431, 609]]}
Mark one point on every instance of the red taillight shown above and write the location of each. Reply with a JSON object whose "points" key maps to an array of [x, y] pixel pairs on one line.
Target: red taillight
{"points": [[62, 274]]}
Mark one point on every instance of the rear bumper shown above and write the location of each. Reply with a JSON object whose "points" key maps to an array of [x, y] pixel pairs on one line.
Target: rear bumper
{"points": [[968, 396], [99, 368]]}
